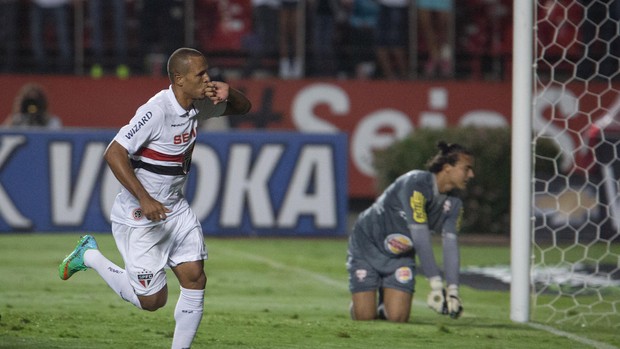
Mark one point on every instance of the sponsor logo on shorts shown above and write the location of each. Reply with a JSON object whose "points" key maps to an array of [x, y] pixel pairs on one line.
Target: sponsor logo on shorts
{"points": [[137, 214], [361, 274], [403, 275], [447, 205], [145, 278], [398, 243]]}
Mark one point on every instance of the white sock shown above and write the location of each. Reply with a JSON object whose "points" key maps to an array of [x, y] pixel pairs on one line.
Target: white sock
{"points": [[112, 274], [187, 314]]}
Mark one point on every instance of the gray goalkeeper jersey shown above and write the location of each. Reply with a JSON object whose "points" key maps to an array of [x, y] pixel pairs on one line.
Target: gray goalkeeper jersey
{"points": [[400, 222]]}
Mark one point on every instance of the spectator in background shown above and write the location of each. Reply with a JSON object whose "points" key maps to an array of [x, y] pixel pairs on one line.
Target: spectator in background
{"points": [[290, 64], [40, 12], [262, 42], [97, 15], [30, 109], [325, 14], [362, 21], [161, 31], [434, 17], [391, 38], [8, 33]]}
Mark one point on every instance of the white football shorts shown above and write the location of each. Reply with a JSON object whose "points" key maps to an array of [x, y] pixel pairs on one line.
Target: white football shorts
{"points": [[148, 250]]}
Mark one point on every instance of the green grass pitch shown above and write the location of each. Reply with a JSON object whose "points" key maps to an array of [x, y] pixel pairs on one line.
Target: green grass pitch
{"points": [[261, 293]]}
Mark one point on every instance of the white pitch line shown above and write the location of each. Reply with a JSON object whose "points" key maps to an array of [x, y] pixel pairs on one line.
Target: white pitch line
{"points": [[582, 340], [317, 276], [270, 262], [342, 285]]}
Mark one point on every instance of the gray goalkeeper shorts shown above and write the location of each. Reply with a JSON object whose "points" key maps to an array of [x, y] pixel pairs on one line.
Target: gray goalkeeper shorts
{"points": [[370, 269]]}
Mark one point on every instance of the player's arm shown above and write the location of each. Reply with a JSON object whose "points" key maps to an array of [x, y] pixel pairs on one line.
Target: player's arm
{"points": [[117, 158], [417, 219], [451, 259], [421, 238], [236, 102]]}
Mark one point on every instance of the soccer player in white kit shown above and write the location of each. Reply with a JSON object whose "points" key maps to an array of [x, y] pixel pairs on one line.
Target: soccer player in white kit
{"points": [[152, 222]]}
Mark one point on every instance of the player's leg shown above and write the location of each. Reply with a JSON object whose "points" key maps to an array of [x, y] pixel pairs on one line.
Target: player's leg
{"points": [[398, 288], [191, 275], [364, 282], [145, 251], [87, 255], [154, 301], [113, 275], [189, 309], [186, 260], [364, 279], [364, 305], [397, 304]]}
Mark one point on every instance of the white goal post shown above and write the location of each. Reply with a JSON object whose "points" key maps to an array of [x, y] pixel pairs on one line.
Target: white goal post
{"points": [[565, 176], [521, 196]]}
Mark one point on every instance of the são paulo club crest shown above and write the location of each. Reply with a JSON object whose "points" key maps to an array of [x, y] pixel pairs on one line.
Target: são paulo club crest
{"points": [[137, 214], [145, 278]]}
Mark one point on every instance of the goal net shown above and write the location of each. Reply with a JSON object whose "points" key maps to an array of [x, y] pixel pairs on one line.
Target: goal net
{"points": [[575, 268]]}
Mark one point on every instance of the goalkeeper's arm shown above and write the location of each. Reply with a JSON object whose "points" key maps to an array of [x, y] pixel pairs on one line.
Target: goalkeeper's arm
{"points": [[451, 261], [421, 237], [442, 300]]}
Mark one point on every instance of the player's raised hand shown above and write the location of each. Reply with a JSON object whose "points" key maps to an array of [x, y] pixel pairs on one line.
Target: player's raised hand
{"points": [[455, 308], [217, 91], [436, 299]]}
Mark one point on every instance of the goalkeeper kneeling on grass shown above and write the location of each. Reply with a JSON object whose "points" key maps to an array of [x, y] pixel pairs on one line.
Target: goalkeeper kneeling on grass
{"points": [[388, 235]]}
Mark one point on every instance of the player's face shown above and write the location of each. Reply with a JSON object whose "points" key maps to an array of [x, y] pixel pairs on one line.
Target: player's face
{"points": [[462, 171], [196, 79]]}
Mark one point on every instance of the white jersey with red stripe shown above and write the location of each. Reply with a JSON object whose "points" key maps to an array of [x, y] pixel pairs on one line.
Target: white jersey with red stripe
{"points": [[160, 139]]}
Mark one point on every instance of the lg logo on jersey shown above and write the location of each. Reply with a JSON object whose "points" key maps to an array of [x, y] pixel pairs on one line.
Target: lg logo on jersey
{"points": [[185, 137]]}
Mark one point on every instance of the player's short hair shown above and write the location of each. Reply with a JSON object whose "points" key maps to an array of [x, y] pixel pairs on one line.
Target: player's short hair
{"points": [[179, 61], [447, 154]]}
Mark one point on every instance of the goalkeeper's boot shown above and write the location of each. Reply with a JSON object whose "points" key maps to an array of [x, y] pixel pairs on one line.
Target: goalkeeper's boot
{"points": [[381, 315], [74, 262]]}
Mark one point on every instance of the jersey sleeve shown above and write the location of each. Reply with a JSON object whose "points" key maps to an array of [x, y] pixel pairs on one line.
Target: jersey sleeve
{"points": [[207, 110], [421, 239], [142, 128], [449, 234], [417, 193]]}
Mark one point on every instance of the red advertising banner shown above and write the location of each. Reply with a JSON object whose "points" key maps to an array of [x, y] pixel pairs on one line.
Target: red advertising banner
{"points": [[372, 113]]}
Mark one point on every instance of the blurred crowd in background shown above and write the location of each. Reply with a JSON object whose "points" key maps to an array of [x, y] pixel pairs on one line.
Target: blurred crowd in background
{"points": [[391, 39], [292, 39]]}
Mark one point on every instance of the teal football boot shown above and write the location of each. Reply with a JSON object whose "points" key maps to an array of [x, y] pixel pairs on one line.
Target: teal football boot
{"points": [[74, 262]]}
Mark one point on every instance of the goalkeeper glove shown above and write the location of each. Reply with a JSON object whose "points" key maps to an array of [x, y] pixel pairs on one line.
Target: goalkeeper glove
{"points": [[436, 299], [453, 302]]}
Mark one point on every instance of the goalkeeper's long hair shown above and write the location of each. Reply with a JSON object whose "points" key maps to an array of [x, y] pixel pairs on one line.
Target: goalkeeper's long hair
{"points": [[447, 154]]}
